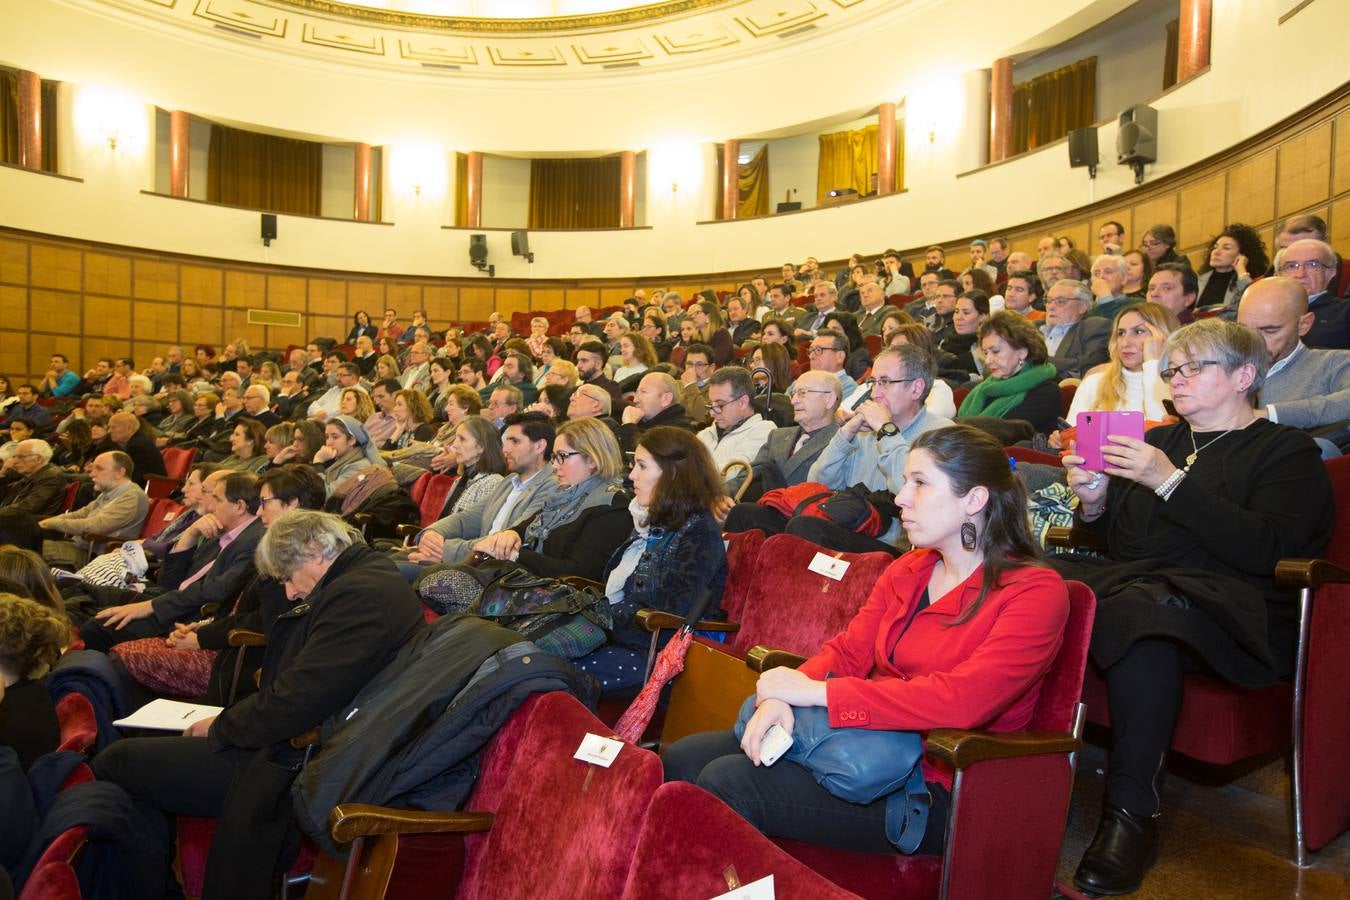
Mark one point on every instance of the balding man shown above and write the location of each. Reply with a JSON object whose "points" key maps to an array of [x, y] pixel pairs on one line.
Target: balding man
{"points": [[117, 511], [789, 452], [1305, 387], [257, 405], [874, 307], [30, 481], [1313, 265], [655, 402], [124, 430]]}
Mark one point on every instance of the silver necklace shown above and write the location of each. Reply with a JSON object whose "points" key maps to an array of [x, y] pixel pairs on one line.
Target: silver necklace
{"points": [[1191, 457]]}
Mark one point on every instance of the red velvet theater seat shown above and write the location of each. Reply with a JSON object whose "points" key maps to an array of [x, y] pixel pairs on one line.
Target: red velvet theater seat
{"points": [[53, 878]]}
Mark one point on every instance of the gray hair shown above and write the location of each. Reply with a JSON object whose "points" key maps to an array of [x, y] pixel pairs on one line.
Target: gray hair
{"points": [[38, 447], [829, 380], [266, 394], [1117, 261], [1233, 345], [599, 395], [143, 381], [298, 537], [915, 362], [1328, 252], [833, 290], [735, 377], [1080, 290]]}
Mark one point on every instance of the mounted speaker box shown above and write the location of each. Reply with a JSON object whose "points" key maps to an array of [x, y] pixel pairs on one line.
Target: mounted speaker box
{"points": [[520, 243], [269, 228], [478, 249], [1082, 147]]}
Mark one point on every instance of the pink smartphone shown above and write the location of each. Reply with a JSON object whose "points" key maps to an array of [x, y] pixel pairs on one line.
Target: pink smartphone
{"points": [[1093, 428]]}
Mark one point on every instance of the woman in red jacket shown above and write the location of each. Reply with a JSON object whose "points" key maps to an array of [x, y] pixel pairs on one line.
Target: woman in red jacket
{"points": [[959, 633]]}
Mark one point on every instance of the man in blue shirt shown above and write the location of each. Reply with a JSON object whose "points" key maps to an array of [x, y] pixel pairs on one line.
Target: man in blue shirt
{"points": [[59, 381]]}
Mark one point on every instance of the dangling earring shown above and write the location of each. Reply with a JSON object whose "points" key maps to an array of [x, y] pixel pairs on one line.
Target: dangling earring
{"points": [[968, 535]]}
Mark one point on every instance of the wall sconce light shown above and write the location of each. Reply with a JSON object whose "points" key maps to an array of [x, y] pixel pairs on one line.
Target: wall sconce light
{"points": [[111, 118]]}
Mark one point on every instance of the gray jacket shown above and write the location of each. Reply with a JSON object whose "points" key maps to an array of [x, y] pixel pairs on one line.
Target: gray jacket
{"points": [[778, 466], [469, 524], [1310, 389], [1085, 346]]}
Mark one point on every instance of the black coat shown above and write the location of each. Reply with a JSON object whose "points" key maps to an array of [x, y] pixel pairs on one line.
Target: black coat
{"points": [[42, 493], [582, 546], [28, 721], [146, 456], [673, 415]]}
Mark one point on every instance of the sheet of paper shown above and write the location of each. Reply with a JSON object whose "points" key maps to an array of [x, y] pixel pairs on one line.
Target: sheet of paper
{"points": [[828, 566], [597, 750], [755, 890], [168, 715]]}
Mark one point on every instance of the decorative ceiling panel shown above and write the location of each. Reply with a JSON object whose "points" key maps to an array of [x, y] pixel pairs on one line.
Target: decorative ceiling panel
{"points": [[670, 34]]}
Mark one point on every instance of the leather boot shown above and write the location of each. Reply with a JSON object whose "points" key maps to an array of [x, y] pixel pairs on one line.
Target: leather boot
{"points": [[1120, 855]]}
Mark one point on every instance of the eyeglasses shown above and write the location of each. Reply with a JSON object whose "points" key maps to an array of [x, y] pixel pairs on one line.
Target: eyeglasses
{"points": [[559, 457], [884, 382], [1149, 244], [812, 391], [1313, 266], [816, 351], [1188, 369], [717, 406]]}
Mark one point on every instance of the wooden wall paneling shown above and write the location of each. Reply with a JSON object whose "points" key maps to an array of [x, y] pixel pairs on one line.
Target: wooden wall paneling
{"points": [[279, 337], [1338, 224], [441, 303], [56, 267], [1201, 211], [476, 303], [1340, 169], [142, 352], [286, 293], [614, 296], [583, 297], [512, 300], [14, 357], [245, 289], [104, 274], [369, 295], [13, 308], [1251, 190], [159, 322], [329, 295], [54, 312], [237, 326], [957, 260], [91, 348], [1160, 210], [202, 326], [202, 285], [547, 298], [1305, 170], [1078, 232], [14, 262], [334, 327], [154, 280], [105, 316], [403, 297]]}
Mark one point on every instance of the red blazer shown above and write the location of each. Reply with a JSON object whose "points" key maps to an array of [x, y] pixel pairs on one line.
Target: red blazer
{"points": [[986, 673]]}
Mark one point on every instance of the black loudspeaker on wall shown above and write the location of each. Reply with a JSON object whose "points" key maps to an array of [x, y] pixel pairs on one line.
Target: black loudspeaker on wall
{"points": [[269, 229], [520, 243], [478, 249], [1083, 148]]}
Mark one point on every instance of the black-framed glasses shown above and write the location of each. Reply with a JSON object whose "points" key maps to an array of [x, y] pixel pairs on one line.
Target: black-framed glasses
{"points": [[1189, 369], [716, 406], [883, 382], [559, 457]]}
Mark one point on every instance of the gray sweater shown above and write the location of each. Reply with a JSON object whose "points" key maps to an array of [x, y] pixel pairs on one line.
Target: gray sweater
{"points": [[1311, 389]]}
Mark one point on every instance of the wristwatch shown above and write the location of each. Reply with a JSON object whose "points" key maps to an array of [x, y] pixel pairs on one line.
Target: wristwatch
{"points": [[888, 430]]}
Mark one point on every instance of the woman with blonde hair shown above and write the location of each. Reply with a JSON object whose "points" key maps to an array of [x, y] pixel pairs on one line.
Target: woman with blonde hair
{"points": [[386, 367], [357, 404], [583, 522], [1129, 380], [636, 354]]}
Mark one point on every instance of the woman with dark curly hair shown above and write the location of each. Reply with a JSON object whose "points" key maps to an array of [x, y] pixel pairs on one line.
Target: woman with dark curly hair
{"points": [[31, 637], [1234, 254]]}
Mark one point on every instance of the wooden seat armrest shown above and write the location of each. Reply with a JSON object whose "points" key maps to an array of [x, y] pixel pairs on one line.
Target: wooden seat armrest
{"points": [[654, 620], [1073, 538], [959, 749], [109, 542], [1295, 574], [349, 821], [242, 637], [762, 659], [207, 610], [406, 531], [360, 520], [581, 584], [308, 739]]}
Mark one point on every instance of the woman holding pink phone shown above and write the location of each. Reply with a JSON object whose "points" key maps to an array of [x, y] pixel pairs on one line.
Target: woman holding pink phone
{"points": [[1194, 516], [1129, 380]]}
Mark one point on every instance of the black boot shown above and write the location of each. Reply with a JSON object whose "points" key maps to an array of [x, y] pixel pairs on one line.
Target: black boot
{"points": [[1120, 855]]}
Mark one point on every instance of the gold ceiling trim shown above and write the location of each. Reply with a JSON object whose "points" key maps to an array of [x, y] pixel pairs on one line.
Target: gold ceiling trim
{"points": [[618, 17]]}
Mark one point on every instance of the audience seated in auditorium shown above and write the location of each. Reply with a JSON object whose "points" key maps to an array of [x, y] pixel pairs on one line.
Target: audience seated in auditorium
{"points": [[1159, 242], [828, 353], [966, 361], [737, 431], [1021, 290], [1224, 493], [1176, 287], [28, 408], [1108, 287], [655, 402], [1313, 265], [1129, 380], [985, 620], [31, 638], [826, 297], [789, 452], [117, 511], [30, 482], [1234, 255], [1074, 342]]}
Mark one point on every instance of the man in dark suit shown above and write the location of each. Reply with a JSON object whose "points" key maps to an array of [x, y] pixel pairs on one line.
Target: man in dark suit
{"points": [[257, 399], [740, 323], [124, 430], [293, 399], [655, 402], [591, 367], [1076, 343], [31, 483], [786, 457], [219, 550]]}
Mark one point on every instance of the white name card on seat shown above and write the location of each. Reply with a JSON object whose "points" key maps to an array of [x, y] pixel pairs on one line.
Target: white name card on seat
{"points": [[755, 890], [598, 751], [828, 566]]}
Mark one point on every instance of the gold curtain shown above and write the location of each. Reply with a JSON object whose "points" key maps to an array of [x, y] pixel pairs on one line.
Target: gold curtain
{"points": [[753, 186], [1049, 107], [899, 154], [461, 190], [574, 193], [9, 120], [848, 159], [260, 171]]}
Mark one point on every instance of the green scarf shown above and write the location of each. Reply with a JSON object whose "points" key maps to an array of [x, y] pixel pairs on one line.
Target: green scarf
{"points": [[999, 396]]}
